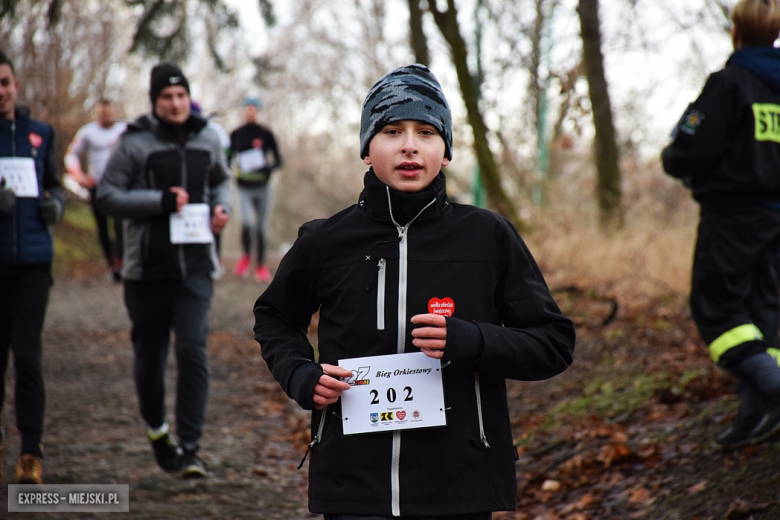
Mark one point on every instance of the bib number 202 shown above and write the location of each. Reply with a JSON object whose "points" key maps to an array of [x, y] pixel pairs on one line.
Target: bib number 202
{"points": [[391, 395]]}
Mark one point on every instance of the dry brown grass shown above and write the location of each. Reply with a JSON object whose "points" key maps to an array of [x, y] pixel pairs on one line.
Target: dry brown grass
{"points": [[649, 257]]}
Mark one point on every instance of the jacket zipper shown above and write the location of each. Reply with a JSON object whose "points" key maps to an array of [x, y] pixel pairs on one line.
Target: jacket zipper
{"points": [[479, 411], [183, 156], [380, 294], [317, 437], [395, 473], [13, 221]]}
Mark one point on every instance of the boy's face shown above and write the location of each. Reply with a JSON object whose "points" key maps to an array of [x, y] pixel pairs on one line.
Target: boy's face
{"points": [[407, 155]]}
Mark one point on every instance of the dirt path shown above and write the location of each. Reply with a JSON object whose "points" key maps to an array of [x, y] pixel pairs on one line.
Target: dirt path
{"points": [[93, 433], [625, 433]]}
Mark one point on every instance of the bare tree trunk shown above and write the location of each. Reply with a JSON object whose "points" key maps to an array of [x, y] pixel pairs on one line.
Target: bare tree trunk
{"points": [[447, 21], [417, 38], [606, 151]]}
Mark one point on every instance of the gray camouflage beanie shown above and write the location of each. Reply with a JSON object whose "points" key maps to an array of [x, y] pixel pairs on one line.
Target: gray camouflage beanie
{"points": [[410, 92]]}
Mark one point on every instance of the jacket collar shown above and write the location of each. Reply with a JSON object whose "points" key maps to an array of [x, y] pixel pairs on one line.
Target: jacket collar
{"points": [[150, 122], [383, 202], [21, 115]]}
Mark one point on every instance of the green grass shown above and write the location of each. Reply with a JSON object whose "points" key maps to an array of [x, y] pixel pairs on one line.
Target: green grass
{"points": [[75, 240]]}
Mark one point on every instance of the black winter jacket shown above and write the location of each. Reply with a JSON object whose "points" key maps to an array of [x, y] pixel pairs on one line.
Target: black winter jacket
{"points": [[505, 325], [727, 144]]}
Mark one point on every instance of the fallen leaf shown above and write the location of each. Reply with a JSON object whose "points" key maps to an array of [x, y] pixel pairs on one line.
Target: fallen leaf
{"points": [[551, 485], [639, 495], [698, 487]]}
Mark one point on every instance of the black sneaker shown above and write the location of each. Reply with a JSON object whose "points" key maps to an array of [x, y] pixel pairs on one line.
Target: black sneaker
{"points": [[192, 466], [770, 423], [739, 433], [167, 453]]}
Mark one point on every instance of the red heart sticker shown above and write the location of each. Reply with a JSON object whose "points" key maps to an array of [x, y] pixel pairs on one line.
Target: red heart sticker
{"points": [[401, 415], [257, 143], [443, 307], [35, 139]]}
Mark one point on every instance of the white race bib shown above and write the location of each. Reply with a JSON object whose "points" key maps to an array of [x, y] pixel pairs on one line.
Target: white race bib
{"points": [[396, 392], [251, 160], [192, 225], [19, 174]]}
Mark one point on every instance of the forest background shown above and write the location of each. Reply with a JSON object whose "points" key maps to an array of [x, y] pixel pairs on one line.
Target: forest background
{"points": [[625, 433], [311, 62]]}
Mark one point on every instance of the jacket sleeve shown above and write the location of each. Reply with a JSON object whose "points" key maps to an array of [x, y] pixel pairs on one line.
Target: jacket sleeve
{"points": [[75, 148], [219, 178], [51, 179], [701, 136], [535, 341], [116, 194], [282, 316], [275, 150]]}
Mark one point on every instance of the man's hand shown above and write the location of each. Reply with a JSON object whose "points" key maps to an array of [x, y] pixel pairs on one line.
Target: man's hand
{"points": [[432, 338], [84, 180], [182, 197], [328, 389], [219, 220]]}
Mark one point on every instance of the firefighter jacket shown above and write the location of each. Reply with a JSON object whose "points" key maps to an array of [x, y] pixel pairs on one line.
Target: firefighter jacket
{"points": [[368, 270], [727, 144]]}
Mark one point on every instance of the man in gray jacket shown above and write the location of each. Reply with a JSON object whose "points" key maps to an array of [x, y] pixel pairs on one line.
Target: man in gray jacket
{"points": [[168, 179]]}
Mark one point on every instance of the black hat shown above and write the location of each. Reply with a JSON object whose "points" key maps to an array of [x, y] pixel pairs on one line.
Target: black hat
{"points": [[166, 75]]}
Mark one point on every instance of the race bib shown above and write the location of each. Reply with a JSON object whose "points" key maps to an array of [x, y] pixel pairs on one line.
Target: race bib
{"points": [[396, 392], [192, 225], [251, 160], [19, 174]]}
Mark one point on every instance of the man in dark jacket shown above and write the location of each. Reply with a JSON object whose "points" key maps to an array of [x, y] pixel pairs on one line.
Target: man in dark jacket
{"points": [[168, 179], [726, 148], [30, 201], [441, 303]]}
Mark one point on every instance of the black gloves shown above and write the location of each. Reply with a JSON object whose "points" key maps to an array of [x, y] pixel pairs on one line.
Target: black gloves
{"points": [[7, 199], [49, 211]]}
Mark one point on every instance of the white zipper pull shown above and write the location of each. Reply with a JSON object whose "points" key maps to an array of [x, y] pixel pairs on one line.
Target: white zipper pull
{"points": [[380, 294]]}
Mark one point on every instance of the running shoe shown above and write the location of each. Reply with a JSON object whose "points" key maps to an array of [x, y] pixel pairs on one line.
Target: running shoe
{"points": [[192, 466], [740, 432], [29, 470], [242, 266], [167, 453], [262, 274]]}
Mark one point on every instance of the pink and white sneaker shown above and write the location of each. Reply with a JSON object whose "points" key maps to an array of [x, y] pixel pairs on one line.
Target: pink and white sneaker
{"points": [[242, 266], [262, 274]]}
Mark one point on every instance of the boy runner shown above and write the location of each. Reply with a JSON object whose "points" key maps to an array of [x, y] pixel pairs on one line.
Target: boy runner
{"points": [[404, 272]]}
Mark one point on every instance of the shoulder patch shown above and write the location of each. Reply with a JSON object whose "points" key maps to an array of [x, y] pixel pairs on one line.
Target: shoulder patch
{"points": [[691, 122]]}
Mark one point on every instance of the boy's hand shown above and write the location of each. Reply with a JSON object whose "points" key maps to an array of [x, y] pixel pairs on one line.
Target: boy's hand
{"points": [[328, 389], [432, 338], [219, 220]]}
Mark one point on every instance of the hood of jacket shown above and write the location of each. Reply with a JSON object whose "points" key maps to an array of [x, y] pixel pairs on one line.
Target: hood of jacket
{"points": [[764, 62]]}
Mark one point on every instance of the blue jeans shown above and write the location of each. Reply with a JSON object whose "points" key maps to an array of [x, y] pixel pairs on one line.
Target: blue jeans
{"points": [[155, 307]]}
